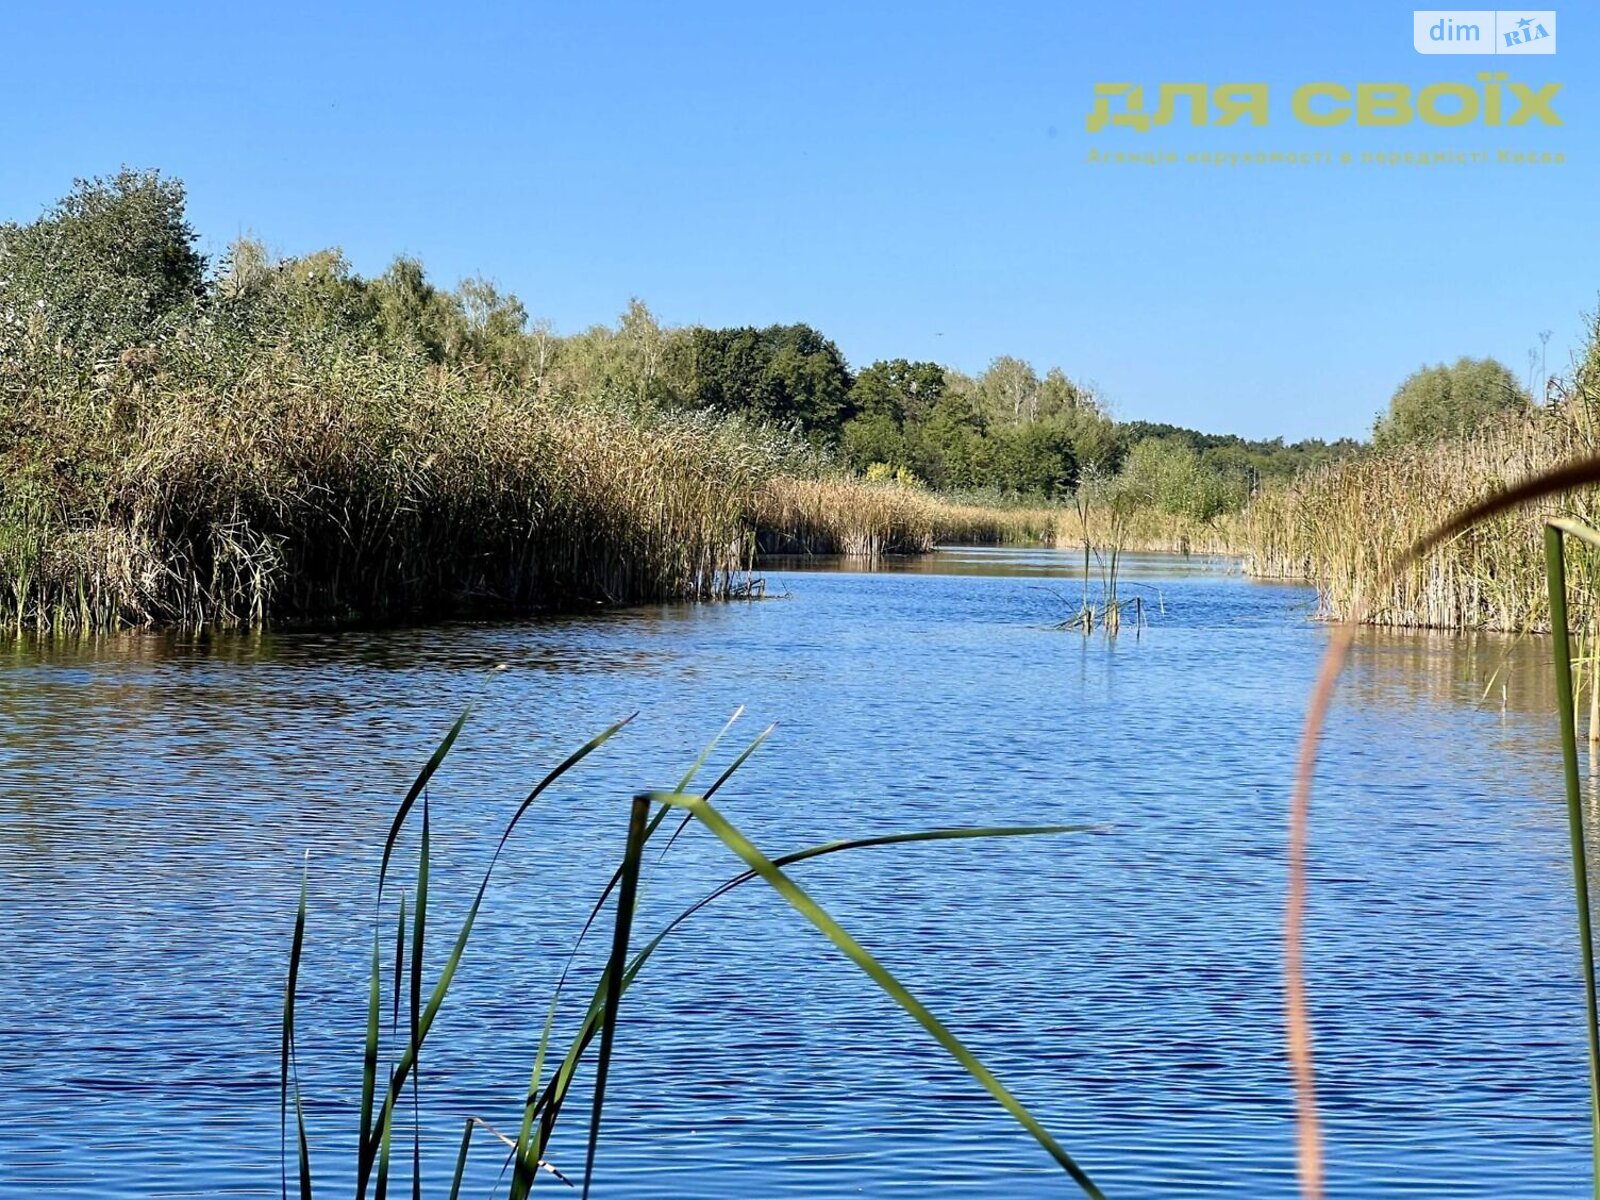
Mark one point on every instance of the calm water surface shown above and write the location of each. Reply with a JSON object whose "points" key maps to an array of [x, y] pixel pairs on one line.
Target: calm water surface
{"points": [[157, 796]]}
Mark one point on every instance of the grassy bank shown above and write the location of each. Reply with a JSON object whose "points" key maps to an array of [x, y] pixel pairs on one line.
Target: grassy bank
{"points": [[853, 517], [283, 439], [207, 482]]}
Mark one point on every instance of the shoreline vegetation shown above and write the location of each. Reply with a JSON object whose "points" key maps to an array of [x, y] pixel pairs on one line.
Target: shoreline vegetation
{"points": [[280, 440], [1339, 526], [267, 439]]}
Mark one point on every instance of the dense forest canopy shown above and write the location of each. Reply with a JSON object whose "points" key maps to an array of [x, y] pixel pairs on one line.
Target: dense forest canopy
{"points": [[114, 266]]}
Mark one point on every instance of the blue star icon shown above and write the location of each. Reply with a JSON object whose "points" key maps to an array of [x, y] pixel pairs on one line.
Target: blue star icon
{"points": [[1525, 22]]}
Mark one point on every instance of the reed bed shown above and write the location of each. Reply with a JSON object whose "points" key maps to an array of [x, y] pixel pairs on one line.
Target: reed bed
{"points": [[363, 487], [859, 518], [853, 517], [1339, 526]]}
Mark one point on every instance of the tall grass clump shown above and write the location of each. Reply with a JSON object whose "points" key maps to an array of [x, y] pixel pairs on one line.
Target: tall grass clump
{"points": [[392, 1065], [838, 515], [280, 440], [1146, 530], [1162, 500]]}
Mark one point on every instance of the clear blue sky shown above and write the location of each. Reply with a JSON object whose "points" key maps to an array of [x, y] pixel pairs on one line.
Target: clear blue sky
{"points": [[911, 179]]}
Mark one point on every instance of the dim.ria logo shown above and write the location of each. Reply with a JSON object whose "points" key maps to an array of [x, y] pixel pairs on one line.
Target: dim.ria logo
{"points": [[1484, 31]]}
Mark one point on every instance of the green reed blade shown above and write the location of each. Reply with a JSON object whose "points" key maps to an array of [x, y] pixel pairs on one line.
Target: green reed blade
{"points": [[461, 1161], [866, 843], [627, 897], [1556, 576], [525, 1156], [720, 780], [1577, 529], [287, 1071], [381, 1187], [367, 1144], [548, 1103], [835, 933], [555, 1096], [523, 1153], [655, 823], [587, 1031], [529, 1148], [694, 767], [441, 986], [399, 965], [545, 1105], [419, 924], [415, 791], [303, 1144], [369, 1059]]}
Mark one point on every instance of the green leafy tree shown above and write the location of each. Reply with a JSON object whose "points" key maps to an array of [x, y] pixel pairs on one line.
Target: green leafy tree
{"points": [[789, 374], [904, 391], [888, 398], [412, 311], [316, 297], [951, 450], [496, 328], [1061, 397], [103, 267], [1094, 438], [640, 362], [874, 439], [1441, 402], [1168, 474], [1009, 391], [1035, 459], [1234, 455]]}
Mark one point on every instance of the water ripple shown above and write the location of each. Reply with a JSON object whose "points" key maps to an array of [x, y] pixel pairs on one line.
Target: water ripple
{"points": [[157, 794]]}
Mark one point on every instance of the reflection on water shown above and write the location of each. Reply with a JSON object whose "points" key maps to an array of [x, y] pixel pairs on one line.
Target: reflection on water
{"points": [[1492, 671], [157, 795], [1026, 562]]}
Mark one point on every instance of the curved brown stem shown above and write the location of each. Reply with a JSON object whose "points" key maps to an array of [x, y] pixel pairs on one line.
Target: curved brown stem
{"points": [[1308, 1135]]}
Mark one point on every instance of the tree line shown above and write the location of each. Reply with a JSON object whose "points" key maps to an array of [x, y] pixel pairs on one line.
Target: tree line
{"points": [[113, 266]]}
